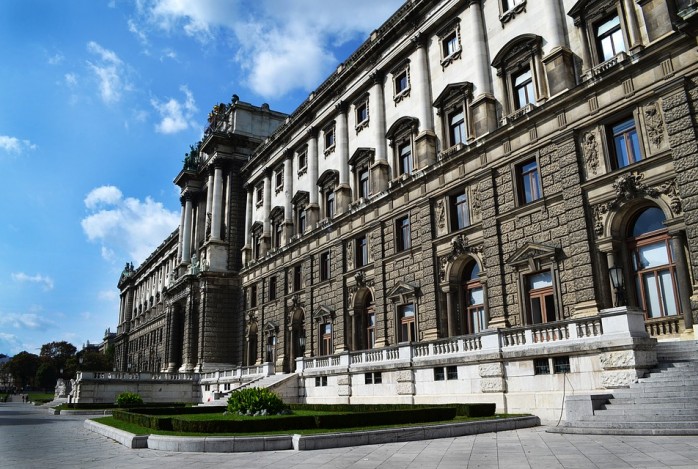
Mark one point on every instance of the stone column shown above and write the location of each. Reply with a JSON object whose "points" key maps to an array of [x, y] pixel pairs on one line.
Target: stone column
{"points": [[181, 229], [209, 193], [313, 208], [450, 311], [266, 230], [247, 247], [343, 189], [633, 28], [683, 280], [380, 171], [185, 234], [483, 108], [583, 40], [288, 195], [419, 72], [216, 203]]}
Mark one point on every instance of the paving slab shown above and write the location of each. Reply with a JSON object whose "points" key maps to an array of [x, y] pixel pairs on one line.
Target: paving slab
{"points": [[31, 438]]}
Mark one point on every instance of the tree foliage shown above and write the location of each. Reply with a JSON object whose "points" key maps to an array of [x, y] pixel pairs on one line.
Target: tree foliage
{"points": [[23, 367]]}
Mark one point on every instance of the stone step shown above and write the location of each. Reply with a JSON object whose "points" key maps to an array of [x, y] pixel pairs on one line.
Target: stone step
{"points": [[677, 407], [651, 400], [624, 431], [661, 383], [642, 417], [641, 393], [626, 424]]}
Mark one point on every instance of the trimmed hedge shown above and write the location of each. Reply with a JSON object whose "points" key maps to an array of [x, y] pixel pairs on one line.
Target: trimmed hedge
{"points": [[108, 405], [462, 410], [146, 418]]}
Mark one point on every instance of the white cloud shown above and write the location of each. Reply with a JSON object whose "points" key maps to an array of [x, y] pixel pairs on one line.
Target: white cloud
{"points": [[15, 145], [281, 45], [104, 195], [176, 115], [126, 226], [71, 79], [55, 59], [110, 72], [38, 278], [108, 295], [25, 321]]}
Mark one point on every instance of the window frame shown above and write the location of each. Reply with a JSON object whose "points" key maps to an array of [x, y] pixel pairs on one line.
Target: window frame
{"points": [[401, 82], [453, 208], [542, 295], [521, 176], [302, 160], [297, 277], [613, 156], [361, 251], [361, 113], [518, 55], [273, 285], [407, 323], [403, 233], [326, 340], [325, 266], [259, 194], [253, 295], [447, 36], [329, 138], [279, 179]]}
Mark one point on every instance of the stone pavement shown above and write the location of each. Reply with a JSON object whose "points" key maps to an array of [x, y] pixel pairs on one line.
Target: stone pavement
{"points": [[31, 438]]}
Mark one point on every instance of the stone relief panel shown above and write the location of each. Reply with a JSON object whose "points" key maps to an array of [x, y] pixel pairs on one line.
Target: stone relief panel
{"points": [[476, 203], [655, 130], [592, 153], [440, 215]]}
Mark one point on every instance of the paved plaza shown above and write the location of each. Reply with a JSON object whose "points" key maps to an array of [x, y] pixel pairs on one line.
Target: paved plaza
{"points": [[31, 438]]}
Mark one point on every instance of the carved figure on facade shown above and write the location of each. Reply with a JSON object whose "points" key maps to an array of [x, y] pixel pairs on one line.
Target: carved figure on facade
{"points": [[208, 225], [360, 282], [195, 267], [590, 150], [654, 124], [350, 254], [459, 246], [440, 215], [476, 202]]}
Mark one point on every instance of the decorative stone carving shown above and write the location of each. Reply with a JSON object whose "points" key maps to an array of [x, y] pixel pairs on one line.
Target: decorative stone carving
{"points": [[489, 370], [476, 202], [512, 12], [630, 186], [590, 150], [492, 385], [654, 124], [669, 189], [440, 215], [350, 254], [598, 212], [459, 246]]}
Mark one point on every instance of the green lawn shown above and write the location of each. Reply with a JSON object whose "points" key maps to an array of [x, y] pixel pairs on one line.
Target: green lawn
{"points": [[40, 397]]}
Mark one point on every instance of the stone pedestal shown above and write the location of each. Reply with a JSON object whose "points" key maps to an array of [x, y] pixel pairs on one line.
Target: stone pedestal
{"points": [[380, 176], [484, 112], [559, 68], [425, 149]]}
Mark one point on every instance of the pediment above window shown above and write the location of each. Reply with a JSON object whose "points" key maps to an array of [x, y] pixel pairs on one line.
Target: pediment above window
{"points": [[360, 155], [276, 212], [271, 327], [328, 177], [533, 255], [257, 226], [301, 196], [402, 292], [452, 92], [323, 312], [402, 124], [518, 49], [584, 9]]}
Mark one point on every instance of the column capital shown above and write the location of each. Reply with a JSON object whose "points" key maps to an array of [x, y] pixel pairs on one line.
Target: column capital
{"points": [[419, 40], [377, 77], [341, 107]]}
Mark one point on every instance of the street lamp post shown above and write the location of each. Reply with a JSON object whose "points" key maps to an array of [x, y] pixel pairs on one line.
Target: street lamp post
{"points": [[618, 282]]}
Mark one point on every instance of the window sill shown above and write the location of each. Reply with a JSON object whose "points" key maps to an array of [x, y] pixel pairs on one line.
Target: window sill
{"points": [[302, 171], [328, 151], [604, 67], [402, 95], [518, 114], [511, 13], [361, 126], [448, 60]]}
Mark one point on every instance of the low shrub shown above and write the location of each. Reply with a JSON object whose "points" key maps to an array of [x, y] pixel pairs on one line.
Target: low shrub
{"points": [[129, 399], [462, 410], [255, 401]]}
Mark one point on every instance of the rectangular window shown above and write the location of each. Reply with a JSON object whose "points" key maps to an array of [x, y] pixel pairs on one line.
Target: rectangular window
{"points": [[361, 251], [405, 158], [439, 374], [300, 227], [451, 372], [279, 178], [401, 82], [460, 217], [402, 229], [523, 89], [326, 338], [456, 127], [297, 277], [541, 366], [260, 194], [363, 182], [302, 160], [509, 4], [361, 113], [609, 38], [329, 203], [541, 301], [253, 296], [561, 364], [626, 145], [257, 245], [320, 381], [450, 44], [528, 181], [407, 331], [373, 378], [324, 266], [278, 233], [272, 288], [329, 138]]}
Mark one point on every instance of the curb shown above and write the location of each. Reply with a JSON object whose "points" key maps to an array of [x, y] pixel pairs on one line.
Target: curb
{"points": [[233, 444]]}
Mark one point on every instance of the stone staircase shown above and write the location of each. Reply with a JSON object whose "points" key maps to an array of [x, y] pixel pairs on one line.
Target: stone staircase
{"points": [[663, 403], [273, 382]]}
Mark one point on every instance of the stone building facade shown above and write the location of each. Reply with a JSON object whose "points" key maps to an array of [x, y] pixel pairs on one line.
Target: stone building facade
{"points": [[442, 218]]}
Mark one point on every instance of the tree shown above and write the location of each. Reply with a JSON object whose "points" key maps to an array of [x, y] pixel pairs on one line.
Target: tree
{"points": [[46, 375], [95, 361], [57, 352], [22, 367]]}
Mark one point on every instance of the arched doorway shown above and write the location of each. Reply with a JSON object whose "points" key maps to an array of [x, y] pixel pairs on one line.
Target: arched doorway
{"points": [[296, 345], [364, 321], [652, 264], [251, 344]]}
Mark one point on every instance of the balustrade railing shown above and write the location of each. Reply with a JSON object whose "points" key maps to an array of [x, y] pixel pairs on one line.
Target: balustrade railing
{"points": [[669, 325]]}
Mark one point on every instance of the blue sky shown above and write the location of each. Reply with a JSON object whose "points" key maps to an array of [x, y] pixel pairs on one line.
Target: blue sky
{"points": [[99, 101]]}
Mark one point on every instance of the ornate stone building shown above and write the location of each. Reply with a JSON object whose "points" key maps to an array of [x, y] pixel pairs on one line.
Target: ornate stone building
{"points": [[488, 197]]}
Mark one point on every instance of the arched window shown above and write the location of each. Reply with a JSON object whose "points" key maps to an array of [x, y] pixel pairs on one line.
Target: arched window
{"points": [[652, 263], [473, 319]]}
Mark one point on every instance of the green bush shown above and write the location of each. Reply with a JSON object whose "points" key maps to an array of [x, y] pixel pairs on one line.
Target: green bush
{"points": [[129, 399], [255, 401]]}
